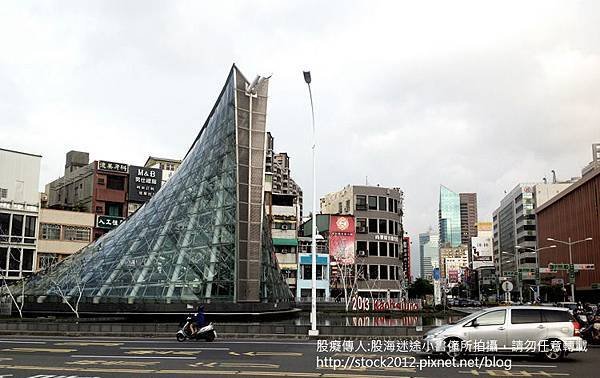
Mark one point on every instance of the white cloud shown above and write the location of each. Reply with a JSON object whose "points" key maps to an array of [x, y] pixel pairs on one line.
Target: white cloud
{"points": [[475, 95]]}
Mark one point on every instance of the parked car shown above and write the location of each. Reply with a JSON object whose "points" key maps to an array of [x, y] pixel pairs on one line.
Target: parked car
{"points": [[554, 332]]}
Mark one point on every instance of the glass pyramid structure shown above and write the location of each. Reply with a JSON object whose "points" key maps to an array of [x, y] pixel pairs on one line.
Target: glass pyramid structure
{"points": [[203, 237]]}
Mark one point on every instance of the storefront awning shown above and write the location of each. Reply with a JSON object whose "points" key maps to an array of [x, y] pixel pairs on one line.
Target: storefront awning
{"points": [[288, 266], [283, 241]]}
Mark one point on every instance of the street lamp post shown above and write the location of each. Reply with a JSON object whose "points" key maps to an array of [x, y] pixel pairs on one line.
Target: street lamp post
{"points": [[570, 244], [313, 306], [537, 266]]}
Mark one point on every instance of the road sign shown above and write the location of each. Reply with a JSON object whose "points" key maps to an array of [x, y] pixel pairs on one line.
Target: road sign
{"points": [[571, 277], [545, 270], [584, 267], [507, 286], [527, 270], [510, 273]]}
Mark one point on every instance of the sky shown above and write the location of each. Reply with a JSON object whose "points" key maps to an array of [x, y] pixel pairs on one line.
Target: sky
{"points": [[477, 96]]}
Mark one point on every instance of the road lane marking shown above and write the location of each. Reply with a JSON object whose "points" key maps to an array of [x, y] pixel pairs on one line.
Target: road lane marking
{"points": [[76, 369], [248, 365], [21, 342], [198, 373], [254, 354], [165, 352], [135, 357], [144, 348], [80, 343], [35, 350], [535, 366], [254, 373], [113, 363]]}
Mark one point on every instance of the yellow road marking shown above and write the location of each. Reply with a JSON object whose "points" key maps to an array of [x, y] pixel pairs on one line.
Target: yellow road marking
{"points": [[33, 350]]}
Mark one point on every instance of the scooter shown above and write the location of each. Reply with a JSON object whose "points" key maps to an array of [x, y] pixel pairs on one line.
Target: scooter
{"points": [[207, 332], [591, 332]]}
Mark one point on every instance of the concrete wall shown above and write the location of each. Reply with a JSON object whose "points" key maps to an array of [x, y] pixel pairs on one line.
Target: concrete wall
{"points": [[21, 176]]}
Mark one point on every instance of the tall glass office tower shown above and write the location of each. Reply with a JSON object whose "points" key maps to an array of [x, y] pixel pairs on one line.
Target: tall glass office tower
{"points": [[449, 218], [202, 238]]}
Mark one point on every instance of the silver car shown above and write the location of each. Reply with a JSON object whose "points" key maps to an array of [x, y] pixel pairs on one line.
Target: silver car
{"points": [[550, 332]]}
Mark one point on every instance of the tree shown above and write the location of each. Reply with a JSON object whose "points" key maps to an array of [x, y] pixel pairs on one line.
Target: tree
{"points": [[420, 288]]}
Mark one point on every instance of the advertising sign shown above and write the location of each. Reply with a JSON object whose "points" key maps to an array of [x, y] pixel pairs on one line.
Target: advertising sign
{"points": [[110, 166], [406, 256], [453, 276], [341, 239], [481, 250], [143, 183], [108, 222]]}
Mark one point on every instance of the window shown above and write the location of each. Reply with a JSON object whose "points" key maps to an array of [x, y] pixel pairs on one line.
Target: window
{"points": [[114, 209], [391, 204], [46, 260], [50, 231], [492, 318], [28, 259], [525, 316], [4, 226], [307, 272], [372, 202], [383, 272], [30, 229], [339, 208], [391, 227], [115, 182], [347, 208], [392, 272], [17, 225], [3, 257], [361, 226], [77, 233], [550, 316], [361, 202], [372, 226], [361, 248], [373, 272], [383, 250], [361, 272], [396, 206], [382, 204], [101, 181], [382, 226], [3, 193], [372, 248], [14, 259]]}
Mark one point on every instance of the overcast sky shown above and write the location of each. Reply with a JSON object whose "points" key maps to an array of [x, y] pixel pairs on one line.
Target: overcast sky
{"points": [[473, 95]]}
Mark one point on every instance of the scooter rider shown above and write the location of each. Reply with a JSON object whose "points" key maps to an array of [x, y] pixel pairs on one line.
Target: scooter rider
{"points": [[199, 321]]}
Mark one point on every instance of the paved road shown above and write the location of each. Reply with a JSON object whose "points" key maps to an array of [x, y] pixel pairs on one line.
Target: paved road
{"points": [[51, 357]]}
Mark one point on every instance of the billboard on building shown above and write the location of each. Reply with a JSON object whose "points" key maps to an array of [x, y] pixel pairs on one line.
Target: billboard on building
{"points": [[406, 257], [143, 183], [342, 239], [481, 250]]}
